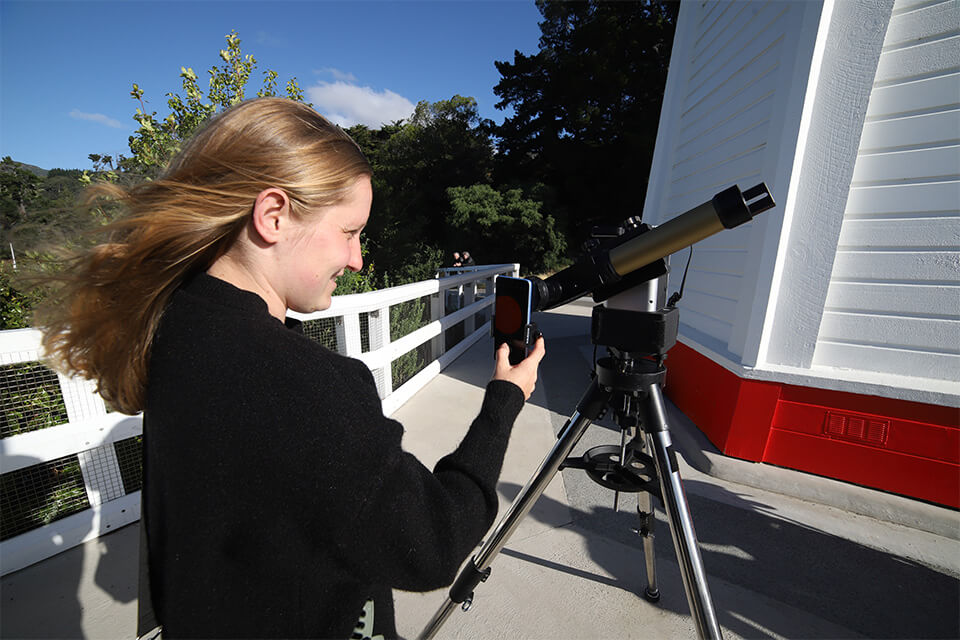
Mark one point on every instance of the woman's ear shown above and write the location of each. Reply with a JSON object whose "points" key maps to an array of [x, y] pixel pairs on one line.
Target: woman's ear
{"points": [[270, 212]]}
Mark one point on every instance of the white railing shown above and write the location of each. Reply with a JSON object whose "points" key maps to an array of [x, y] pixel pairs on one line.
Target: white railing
{"points": [[91, 433], [453, 299]]}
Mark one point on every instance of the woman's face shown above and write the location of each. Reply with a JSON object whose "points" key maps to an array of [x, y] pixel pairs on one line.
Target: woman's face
{"points": [[323, 246]]}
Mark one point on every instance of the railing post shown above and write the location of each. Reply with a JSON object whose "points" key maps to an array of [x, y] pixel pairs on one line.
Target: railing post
{"points": [[348, 335], [469, 295], [80, 398], [101, 474], [379, 325], [488, 291], [98, 466]]}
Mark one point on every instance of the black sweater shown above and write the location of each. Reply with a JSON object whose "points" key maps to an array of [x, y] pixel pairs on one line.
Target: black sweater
{"points": [[277, 498]]}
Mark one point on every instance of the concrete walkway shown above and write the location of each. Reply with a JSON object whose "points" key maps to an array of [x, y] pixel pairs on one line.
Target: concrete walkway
{"points": [[788, 555]]}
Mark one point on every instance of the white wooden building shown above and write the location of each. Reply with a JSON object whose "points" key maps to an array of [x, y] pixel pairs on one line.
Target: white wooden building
{"points": [[825, 334]]}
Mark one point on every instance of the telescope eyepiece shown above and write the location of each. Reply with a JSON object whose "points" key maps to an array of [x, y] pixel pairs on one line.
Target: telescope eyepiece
{"points": [[732, 208]]}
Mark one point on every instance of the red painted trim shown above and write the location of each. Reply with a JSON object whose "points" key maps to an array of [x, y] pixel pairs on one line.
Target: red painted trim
{"points": [[905, 447], [923, 478], [703, 390]]}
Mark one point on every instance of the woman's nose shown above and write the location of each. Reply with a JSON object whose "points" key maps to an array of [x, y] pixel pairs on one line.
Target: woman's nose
{"points": [[356, 257]]}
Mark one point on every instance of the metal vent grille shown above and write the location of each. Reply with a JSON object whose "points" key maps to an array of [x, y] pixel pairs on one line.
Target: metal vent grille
{"points": [[857, 428]]}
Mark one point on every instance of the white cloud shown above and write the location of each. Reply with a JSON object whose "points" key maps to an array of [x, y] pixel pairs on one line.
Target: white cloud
{"points": [[348, 104], [338, 75], [97, 117]]}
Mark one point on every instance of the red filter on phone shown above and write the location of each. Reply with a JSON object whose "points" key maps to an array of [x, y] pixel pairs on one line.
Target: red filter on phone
{"points": [[508, 317]]}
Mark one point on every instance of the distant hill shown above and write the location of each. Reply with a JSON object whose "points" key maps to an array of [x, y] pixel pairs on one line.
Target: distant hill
{"points": [[45, 173], [37, 171]]}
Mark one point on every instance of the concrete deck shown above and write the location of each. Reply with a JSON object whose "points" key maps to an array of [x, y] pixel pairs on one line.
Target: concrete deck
{"points": [[788, 555]]}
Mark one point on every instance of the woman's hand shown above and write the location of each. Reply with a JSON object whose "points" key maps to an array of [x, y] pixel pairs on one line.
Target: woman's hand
{"points": [[524, 375]]}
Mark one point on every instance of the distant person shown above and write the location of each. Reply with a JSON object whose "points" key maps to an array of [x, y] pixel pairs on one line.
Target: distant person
{"points": [[467, 259], [277, 500], [457, 262]]}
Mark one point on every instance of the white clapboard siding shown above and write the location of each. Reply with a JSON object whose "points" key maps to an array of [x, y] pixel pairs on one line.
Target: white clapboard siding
{"points": [[912, 97], [908, 131], [904, 199], [723, 100], [907, 266], [921, 231], [935, 335], [879, 357], [893, 304], [915, 164], [913, 299], [700, 320]]}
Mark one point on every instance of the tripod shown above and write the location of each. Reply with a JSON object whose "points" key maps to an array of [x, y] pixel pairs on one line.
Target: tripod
{"points": [[628, 383]]}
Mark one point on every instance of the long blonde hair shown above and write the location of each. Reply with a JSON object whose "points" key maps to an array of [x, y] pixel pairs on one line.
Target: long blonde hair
{"points": [[102, 322]]}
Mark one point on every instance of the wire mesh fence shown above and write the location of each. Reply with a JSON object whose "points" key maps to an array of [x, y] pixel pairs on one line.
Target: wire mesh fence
{"points": [[365, 345], [30, 399], [130, 461], [410, 364], [39, 494], [454, 335], [405, 318], [330, 333], [323, 331]]}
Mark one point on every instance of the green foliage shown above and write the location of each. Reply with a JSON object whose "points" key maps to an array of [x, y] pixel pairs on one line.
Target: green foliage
{"points": [[51, 218], [356, 281], [63, 501], [406, 318], [586, 107], [444, 144], [19, 191], [505, 227], [39, 494], [156, 141], [15, 304], [30, 399]]}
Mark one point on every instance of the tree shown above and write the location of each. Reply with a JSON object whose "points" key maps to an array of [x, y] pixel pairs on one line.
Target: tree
{"points": [[157, 141], [504, 227], [19, 191], [587, 106], [444, 144]]}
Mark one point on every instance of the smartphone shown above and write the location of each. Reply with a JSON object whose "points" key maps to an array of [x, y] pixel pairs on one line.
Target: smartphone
{"points": [[511, 315]]}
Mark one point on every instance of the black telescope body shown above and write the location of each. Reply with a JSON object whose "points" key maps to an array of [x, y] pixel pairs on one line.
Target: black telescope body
{"points": [[638, 254]]}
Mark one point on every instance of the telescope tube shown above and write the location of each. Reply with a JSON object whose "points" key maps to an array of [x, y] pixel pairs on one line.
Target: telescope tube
{"points": [[725, 210]]}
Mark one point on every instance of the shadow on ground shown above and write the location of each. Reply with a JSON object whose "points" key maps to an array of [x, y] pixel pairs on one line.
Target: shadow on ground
{"points": [[870, 592]]}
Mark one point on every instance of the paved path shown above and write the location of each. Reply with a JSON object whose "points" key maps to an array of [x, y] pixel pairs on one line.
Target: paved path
{"points": [[788, 555]]}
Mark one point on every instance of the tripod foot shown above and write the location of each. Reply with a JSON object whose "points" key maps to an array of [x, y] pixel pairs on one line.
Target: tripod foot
{"points": [[653, 595]]}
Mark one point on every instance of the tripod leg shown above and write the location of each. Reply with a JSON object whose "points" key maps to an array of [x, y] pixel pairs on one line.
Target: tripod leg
{"points": [[678, 514], [647, 522], [477, 570]]}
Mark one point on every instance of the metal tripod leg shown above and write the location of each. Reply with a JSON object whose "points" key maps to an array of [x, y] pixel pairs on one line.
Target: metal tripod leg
{"points": [[590, 406], [647, 522], [678, 514]]}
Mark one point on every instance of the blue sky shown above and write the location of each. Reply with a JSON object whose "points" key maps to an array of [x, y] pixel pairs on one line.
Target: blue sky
{"points": [[66, 68]]}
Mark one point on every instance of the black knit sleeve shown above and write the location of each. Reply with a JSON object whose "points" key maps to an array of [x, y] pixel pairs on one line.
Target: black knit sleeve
{"points": [[414, 526]]}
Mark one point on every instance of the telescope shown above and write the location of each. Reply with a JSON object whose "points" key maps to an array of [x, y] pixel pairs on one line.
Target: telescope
{"points": [[632, 257], [627, 385]]}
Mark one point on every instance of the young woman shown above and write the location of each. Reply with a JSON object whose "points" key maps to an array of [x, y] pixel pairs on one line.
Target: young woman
{"points": [[277, 500]]}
